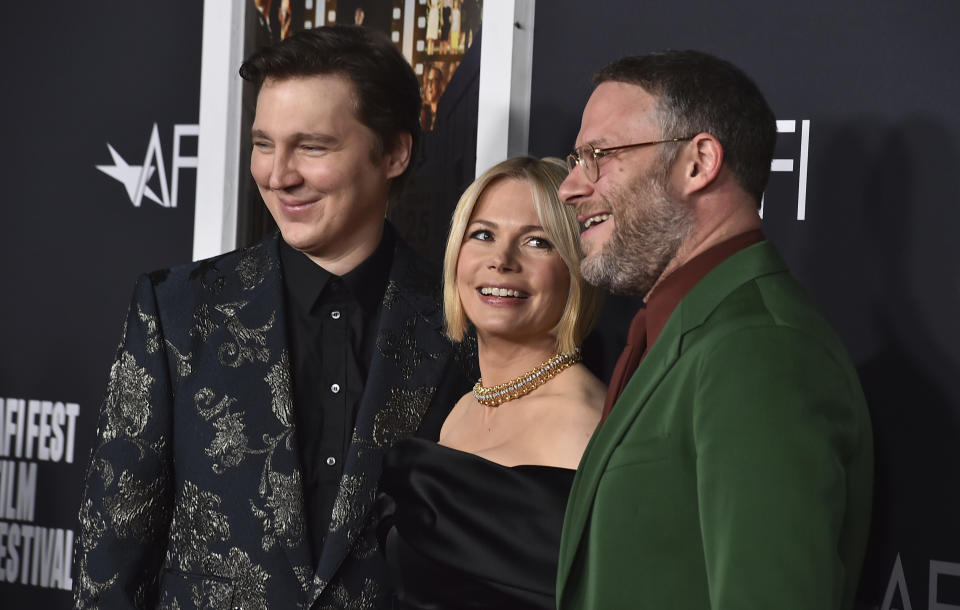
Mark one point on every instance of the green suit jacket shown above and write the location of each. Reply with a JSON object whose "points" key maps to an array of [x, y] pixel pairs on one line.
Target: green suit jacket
{"points": [[735, 471]]}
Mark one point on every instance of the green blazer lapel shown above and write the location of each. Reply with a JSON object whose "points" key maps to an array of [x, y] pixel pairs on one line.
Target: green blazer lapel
{"points": [[644, 381], [746, 265]]}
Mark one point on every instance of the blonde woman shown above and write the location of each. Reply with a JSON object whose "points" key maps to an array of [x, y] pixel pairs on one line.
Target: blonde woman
{"points": [[476, 518]]}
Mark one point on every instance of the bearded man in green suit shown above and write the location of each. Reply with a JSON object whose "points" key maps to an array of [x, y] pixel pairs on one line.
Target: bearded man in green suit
{"points": [[734, 465]]}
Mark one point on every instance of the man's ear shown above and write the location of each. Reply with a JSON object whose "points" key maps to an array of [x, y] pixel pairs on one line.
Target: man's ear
{"points": [[398, 158], [701, 161]]}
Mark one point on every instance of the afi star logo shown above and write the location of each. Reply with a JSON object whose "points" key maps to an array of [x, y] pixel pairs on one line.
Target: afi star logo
{"points": [[134, 178]]}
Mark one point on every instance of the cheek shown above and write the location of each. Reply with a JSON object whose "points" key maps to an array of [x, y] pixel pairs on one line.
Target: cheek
{"points": [[352, 179], [461, 272], [462, 278], [260, 169], [465, 295], [319, 174], [466, 276], [466, 261]]}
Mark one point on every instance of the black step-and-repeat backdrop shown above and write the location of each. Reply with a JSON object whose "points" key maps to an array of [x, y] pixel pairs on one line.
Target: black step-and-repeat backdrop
{"points": [[99, 112], [864, 204], [100, 109]]}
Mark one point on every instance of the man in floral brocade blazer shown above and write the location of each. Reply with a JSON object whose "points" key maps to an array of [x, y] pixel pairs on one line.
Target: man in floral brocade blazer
{"points": [[253, 394]]}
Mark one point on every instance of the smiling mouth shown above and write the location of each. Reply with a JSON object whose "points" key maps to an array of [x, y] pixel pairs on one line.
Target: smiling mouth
{"points": [[295, 204], [595, 220], [490, 291]]}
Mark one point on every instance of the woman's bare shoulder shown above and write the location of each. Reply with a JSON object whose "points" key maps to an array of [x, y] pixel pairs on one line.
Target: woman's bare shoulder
{"points": [[568, 415], [456, 415], [579, 390]]}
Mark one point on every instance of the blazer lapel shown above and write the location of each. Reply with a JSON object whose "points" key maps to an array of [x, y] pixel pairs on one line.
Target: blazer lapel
{"points": [[403, 377], [746, 265], [651, 371], [261, 291]]}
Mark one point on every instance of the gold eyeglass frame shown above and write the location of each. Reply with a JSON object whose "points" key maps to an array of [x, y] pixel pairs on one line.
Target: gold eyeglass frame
{"points": [[578, 157]]}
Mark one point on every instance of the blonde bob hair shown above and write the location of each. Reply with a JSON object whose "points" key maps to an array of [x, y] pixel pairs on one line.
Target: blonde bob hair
{"points": [[559, 221]]}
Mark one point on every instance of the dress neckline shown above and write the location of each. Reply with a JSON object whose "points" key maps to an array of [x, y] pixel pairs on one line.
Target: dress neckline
{"points": [[428, 445]]}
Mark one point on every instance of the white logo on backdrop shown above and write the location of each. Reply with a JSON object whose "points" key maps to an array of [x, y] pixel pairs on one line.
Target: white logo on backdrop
{"points": [[898, 584], [788, 165], [134, 178], [34, 432]]}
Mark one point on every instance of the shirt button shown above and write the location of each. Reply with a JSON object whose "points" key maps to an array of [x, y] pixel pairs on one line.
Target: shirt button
{"points": [[331, 461], [335, 388], [335, 314]]}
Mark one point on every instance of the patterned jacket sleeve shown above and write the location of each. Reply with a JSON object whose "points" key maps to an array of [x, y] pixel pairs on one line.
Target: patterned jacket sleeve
{"points": [[126, 506]]}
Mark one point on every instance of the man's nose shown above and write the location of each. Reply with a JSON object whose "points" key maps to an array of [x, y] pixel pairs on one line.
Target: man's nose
{"points": [[575, 186], [284, 172]]}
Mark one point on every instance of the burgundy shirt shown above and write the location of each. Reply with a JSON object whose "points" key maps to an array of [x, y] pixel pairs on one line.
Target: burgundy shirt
{"points": [[661, 302], [663, 299]]}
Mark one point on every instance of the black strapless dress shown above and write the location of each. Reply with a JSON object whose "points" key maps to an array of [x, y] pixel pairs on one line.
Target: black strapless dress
{"points": [[460, 531]]}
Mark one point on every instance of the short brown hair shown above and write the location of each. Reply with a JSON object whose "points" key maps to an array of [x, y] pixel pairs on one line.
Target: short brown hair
{"points": [[386, 89], [700, 93]]}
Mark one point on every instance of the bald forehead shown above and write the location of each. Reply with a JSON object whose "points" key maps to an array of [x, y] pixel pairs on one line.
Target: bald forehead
{"points": [[616, 111]]}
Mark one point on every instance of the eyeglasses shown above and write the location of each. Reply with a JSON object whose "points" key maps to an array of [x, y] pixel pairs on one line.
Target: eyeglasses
{"points": [[588, 157]]}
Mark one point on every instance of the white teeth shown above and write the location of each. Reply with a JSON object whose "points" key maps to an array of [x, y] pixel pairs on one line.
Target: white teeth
{"points": [[499, 292], [595, 220]]}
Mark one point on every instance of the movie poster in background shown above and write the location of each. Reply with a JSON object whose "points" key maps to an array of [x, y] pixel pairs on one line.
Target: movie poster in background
{"points": [[862, 204], [100, 109], [443, 48], [446, 57]]}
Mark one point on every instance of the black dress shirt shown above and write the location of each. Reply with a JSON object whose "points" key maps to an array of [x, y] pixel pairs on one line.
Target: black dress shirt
{"points": [[331, 331]]}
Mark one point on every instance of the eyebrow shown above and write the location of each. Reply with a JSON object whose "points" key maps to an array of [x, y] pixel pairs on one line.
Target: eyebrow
{"points": [[493, 225], [596, 142], [299, 136]]}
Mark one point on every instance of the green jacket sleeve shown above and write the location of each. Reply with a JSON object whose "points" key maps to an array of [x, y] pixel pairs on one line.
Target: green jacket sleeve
{"points": [[776, 421]]}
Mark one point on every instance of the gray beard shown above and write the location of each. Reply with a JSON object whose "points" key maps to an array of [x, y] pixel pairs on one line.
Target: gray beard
{"points": [[649, 229]]}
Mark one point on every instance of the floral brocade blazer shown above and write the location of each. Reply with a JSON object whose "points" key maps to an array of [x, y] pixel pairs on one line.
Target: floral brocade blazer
{"points": [[193, 497]]}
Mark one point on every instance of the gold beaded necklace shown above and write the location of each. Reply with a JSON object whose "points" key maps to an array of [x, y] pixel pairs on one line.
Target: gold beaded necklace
{"points": [[526, 383]]}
